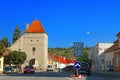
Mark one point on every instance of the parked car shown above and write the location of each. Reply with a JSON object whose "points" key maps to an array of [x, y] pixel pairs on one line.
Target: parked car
{"points": [[29, 69], [7, 70], [110, 68], [50, 68], [84, 69], [68, 68], [15, 69]]}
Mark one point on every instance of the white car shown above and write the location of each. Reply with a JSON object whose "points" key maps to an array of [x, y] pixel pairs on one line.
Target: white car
{"points": [[50, 68]]}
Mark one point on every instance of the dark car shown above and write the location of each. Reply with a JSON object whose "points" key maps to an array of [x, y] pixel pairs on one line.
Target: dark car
{"points": [[110, 68], [29, 69], [7, 70], [68, 68], [84, 69]]}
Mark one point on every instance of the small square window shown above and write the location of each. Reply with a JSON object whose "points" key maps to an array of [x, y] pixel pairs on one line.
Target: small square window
{"points": [[33, 49], [37, 40]]}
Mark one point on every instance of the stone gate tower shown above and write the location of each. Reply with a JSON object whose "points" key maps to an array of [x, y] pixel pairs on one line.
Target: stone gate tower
{"points": [[34, 43]]}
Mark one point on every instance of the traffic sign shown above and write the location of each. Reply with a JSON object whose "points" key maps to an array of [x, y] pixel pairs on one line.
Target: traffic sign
{"points": [[77, 65]]}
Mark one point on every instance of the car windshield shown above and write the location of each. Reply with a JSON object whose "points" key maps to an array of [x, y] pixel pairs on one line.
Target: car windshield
{"points": [[49, 66], [14, 66], [8, 68], [28, 66]]}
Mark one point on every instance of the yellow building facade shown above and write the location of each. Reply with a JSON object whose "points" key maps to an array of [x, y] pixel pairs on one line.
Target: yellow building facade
{"points": [[1, 64]]}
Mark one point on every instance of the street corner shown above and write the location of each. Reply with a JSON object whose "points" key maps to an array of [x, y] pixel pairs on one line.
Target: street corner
{"points": [[116, 79]]}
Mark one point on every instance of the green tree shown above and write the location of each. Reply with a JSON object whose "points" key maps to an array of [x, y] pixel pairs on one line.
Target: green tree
{"points": [[17, 34], [8, 59], [84, 57], [1, 48], [15, 57], [5, 42]]}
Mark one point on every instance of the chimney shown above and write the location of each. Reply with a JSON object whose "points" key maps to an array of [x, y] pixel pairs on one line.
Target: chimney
{"points": [[27, 26], [118, 35]]}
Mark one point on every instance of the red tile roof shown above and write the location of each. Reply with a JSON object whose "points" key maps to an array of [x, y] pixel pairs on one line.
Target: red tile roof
{"points": [[35, 27], [62, 59], [113, 47]]}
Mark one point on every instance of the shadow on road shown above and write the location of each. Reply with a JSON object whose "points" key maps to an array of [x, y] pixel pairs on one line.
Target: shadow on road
{"points": [[68, 75], [44, 74]]}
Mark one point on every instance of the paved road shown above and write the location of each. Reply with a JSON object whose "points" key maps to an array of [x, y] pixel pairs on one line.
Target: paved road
{"points": [[59, 76], [38, 76]]}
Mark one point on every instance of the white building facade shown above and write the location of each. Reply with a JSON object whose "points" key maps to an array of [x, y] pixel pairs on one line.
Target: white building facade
{"points": [[97, 56]]}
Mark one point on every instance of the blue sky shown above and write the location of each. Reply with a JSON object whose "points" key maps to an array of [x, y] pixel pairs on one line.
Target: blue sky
{"points": [[65, 21]]}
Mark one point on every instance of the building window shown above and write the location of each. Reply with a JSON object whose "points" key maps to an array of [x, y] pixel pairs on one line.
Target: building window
{"points": [[37, 40], [34, 49]]}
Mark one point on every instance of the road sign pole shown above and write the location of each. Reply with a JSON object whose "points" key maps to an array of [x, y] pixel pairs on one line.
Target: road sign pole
{"points": [[76, 72], [77, 66]]}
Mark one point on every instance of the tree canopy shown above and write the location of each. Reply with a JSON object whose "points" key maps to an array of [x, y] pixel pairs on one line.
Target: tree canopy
{"points": [[5, 42], [84, 57], [17, 34], [2, 50], [15, 57]]}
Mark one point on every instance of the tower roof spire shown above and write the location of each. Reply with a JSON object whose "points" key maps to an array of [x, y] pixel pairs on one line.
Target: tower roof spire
{"points": [[36, 27]]}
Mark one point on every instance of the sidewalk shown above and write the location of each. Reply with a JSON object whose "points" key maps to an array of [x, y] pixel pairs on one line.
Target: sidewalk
{"points": [[117, 79], [2, 74], [116, 73]]}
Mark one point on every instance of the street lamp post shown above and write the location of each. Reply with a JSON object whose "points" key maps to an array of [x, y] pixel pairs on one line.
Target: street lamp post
{"points": [[95, 58]]}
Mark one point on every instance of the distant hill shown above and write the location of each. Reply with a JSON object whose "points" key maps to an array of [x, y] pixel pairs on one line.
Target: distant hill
{"points": [[66, 52]]}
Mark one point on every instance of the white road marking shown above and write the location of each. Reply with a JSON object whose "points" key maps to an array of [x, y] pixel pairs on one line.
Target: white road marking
{"points": [[69, 78]]}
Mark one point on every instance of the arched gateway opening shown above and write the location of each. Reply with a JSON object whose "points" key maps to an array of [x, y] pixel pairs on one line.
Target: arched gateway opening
{"points": [[35, 63]]}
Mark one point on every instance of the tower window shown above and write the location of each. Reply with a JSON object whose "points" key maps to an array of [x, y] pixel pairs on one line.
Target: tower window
{"points": [[37, 40], [19, 49], [34, 49]]}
